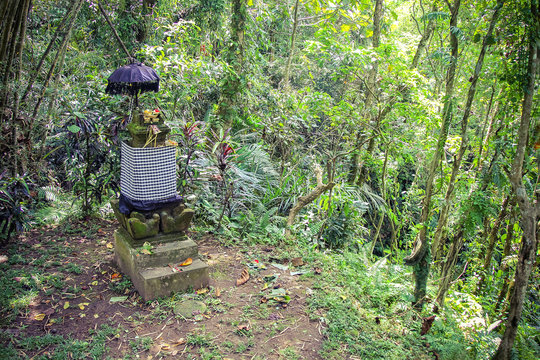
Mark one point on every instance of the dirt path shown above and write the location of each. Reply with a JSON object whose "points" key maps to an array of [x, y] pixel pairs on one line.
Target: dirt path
{"points": [[74, 290]]}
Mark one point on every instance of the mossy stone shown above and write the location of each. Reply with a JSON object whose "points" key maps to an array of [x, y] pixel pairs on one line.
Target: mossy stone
{"points": [[189, 308]]}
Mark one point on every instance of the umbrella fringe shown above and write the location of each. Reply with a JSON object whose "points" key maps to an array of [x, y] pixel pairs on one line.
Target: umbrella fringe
{"points": [[131, 88]]}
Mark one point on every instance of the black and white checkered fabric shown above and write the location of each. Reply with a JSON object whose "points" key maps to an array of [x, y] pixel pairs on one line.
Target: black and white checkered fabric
{"points": [[148, 173]]}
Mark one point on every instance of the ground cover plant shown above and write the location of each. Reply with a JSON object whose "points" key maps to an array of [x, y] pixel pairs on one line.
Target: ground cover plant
{"points": [[372, 164]]}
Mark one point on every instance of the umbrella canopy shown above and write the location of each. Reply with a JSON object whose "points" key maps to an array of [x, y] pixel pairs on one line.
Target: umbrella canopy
{"points": [[132, 79]]}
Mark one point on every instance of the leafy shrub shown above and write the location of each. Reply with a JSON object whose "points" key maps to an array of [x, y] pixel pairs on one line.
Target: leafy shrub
{"points": [[14, 204]]}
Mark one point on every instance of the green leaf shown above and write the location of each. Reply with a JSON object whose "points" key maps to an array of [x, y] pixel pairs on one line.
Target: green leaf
{"points": [[116, 299], [74, 128], [345, 27], [79, 115]]}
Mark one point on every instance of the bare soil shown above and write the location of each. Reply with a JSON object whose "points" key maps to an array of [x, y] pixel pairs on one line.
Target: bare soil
{"points": [[241, 322]]}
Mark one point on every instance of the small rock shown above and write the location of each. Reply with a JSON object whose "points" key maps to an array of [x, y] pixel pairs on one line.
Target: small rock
{"points": [[189, 308]]}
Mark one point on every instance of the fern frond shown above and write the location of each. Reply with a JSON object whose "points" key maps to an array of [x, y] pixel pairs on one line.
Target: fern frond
{"points": [[49, 193]]}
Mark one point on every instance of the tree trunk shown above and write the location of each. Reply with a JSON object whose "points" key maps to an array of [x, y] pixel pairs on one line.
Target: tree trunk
{"points": [[232, 85], [304, 200], [371, 91], [449, 196], [39, 66], [493, 236], [426, 35], [505, 267], [419, 257], [383, 195], [527, 208], [7, 46], [286, 73], [50, 74]]}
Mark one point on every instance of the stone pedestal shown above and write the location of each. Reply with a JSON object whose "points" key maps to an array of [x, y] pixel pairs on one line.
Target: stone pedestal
{"points": [[155, 272]]}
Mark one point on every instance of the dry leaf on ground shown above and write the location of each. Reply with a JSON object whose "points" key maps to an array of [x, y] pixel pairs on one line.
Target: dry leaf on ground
{"points": [[188, 261], [244, 277], [180, 341], [297, 261]]}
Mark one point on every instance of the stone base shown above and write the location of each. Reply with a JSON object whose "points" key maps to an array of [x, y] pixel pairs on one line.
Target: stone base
{"points": [[150, 273]]}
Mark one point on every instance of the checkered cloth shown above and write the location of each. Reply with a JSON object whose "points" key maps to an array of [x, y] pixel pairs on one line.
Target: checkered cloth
{"points": [[148, 173]]}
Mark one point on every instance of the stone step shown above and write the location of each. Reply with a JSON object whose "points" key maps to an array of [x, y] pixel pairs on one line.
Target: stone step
{"points": [[173, 252], [169, 253], [162, 281]]}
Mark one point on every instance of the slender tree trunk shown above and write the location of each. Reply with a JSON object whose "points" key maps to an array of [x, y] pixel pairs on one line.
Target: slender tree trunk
{"points": [[7, 49], [286, 73], [422, 44], [304, 200], [235, 57], [50, 74], [39, 66], [147, 11], [505, 267], [449, 196], [420, 256], [371, 91], [493, 237], [383, 194], [486, 134], [528, 209]]}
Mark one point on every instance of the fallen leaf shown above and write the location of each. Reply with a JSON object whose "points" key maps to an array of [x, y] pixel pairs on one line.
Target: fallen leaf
{"points": [[115, 299], [201, 291], [66, 305], [280, 267], [297, 261], [82, 305], [180, 341], [218, 292], [109, 245], [39, 317], [318, 270], [116, 276], [82, 315], [96, 316], [187, 262], [244, 327], [244, 277], [94, 283], [146, 251], [3, 259], [165, 347]]}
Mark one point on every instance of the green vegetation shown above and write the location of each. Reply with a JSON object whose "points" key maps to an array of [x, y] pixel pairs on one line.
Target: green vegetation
{"points": [[392, 145]]}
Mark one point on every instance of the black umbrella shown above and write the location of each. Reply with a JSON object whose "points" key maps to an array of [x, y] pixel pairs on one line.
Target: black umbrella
{"points": [[133, 79]]}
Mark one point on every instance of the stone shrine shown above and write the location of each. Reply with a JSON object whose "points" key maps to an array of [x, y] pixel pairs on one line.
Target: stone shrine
{"points": [[151, 246]]}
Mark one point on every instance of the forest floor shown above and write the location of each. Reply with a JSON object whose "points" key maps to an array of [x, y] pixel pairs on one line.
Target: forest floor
{"points": [[62, 296]]}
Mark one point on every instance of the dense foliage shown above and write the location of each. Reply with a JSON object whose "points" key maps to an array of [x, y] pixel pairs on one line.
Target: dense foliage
{"points": [[417, 120]]}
